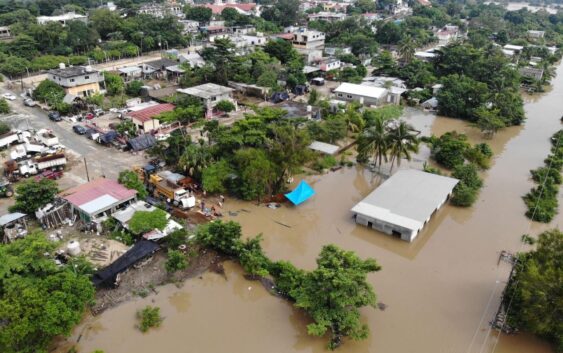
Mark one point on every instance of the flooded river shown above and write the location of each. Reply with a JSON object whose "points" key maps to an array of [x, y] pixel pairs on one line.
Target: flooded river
{"points": [[440, 291]]}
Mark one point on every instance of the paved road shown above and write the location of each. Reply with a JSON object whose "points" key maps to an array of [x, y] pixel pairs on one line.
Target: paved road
{"points": [[111, 65], [101, 160]]}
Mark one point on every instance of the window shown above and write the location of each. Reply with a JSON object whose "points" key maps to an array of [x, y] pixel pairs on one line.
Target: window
{"points": [[71, 80], [349, 96], [86, 77], [339, 94], [213, 99]]}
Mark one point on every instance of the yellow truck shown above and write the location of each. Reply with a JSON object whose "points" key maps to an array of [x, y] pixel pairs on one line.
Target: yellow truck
{"points": [[172, 193]]}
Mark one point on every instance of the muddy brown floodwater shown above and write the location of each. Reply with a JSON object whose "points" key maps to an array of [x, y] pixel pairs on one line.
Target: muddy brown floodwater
{"points": [[440, 291]]}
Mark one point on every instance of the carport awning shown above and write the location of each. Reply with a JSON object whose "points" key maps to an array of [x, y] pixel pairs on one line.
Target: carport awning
{"points": [[301, 193]]}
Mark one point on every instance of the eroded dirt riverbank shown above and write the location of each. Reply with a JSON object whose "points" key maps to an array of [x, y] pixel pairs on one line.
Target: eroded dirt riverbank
{"points": [[440, 291]]}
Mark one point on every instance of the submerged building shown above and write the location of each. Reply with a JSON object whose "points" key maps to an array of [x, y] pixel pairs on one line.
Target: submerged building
{"points": [[404, 203]]}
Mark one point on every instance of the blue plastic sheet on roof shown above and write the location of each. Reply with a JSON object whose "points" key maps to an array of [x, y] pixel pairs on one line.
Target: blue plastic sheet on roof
{"points": [[301, 193]]}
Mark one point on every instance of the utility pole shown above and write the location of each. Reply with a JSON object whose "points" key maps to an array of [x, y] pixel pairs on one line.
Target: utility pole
{"points": [[86, 167]]}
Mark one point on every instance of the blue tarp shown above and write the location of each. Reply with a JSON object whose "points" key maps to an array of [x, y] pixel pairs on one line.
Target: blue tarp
{"points": [[301, 193]]}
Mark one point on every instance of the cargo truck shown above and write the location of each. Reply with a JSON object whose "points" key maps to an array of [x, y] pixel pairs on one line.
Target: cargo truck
{"points": [[34, 166], [173, 194]]}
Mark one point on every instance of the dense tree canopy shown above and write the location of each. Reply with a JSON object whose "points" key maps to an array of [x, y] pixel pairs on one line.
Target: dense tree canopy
{"points": [[533, 297], [38, 299], [32, 195]]}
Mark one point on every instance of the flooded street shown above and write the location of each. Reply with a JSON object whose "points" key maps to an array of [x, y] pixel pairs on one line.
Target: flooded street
{"points": [[440, 291]]}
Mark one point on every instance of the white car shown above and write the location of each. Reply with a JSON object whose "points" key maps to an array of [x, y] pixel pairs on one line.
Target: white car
{"points": [[9, 96]]}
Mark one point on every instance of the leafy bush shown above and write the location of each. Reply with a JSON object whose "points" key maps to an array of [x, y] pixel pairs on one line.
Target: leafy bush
{"points": [[221, 236], [225, 106], [145, 221], [133, 88], [4, 107], [149, 317], [176, 261], [325, 162], [466, 191], [176, 238], [32, 195]]}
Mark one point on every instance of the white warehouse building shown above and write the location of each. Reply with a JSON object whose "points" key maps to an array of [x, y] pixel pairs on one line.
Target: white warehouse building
{"points": [[404, 203]]}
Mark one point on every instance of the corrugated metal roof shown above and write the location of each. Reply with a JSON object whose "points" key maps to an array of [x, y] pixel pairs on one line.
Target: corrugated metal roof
{"points": [[147, 114], [85, 193], [361, 90], [10, 217], [407, 199], [99, 204]]}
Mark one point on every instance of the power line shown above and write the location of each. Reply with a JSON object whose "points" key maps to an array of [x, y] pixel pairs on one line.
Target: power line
{"points": [[497, 281]]}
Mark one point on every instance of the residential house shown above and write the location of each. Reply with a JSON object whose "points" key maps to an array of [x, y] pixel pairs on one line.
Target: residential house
{"points": [[532, 73], [366, 95], [98, 199], [535, 34], [425, 3], [144, 119], [62, 19], [111, 6], [327, 16], [158, 68], [161, 10], [447, 34], [243, 30], [193, 59], [329, 64], [210, 94], [80, 81], [398, 7], [516, 49], [257, 39], [5, 33], [333, 51], [190, 26], [130, 73]]}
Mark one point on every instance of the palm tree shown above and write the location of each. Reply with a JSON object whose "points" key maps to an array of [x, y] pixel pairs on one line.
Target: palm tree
{"points": [[354, 120], [403, 141], [407, 47], [195, 159], [374, 141]]}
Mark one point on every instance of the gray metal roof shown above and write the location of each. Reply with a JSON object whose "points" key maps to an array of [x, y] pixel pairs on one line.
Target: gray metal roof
{"points": [[72, 71], [408, 198], [206, 91], [10, 217], [324, 147]]}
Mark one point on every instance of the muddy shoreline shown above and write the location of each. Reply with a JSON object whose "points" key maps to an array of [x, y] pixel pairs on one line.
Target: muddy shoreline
{"points": [[145, 278]]}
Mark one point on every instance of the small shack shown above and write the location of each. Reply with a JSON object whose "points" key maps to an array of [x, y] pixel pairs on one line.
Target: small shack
{"points": [[13, 226], [404, 203]]}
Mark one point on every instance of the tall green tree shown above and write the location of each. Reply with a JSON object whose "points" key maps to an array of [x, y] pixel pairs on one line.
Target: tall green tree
{"points": [[32, 195], [38, 299], [407, 47], [534, 294], [333, 293], [403, 141], [131, 180], [374, 141]]}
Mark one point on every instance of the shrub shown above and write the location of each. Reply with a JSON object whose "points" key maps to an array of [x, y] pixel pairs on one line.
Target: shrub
{"points": [[150, 317], [176, 261], [463, 195], [4, 128], [176, 238], [225, 106], [145, 221], [325, 163], [4, 107]]}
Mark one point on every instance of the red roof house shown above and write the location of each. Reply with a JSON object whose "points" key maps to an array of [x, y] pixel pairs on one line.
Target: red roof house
{"points": [[144, 118], [98, 198]]}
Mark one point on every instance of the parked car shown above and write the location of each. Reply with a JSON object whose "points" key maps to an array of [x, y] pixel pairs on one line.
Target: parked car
{"points": [[89, 116], [55, 116], [29, 102], [49, 174], [98, 112], [9, 96], [79, 129]]}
